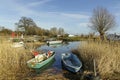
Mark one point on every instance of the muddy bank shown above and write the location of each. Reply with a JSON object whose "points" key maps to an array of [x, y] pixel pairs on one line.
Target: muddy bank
{"points": [[54, 74]]}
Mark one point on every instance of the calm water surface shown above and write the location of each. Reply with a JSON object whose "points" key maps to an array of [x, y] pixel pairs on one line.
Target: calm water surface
{"points": [[59, 49]]}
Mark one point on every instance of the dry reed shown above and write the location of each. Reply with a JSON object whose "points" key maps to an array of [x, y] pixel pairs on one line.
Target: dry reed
{"points": [[107, 56], [12, 61]]}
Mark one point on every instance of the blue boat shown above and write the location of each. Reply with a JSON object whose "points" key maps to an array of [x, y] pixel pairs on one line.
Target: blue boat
{"points": [[71, 62]]}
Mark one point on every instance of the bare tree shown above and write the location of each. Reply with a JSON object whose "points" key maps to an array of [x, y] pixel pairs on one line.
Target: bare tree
{"points": [[54, 31], [25, 23], [61, 31], [101, 21]]}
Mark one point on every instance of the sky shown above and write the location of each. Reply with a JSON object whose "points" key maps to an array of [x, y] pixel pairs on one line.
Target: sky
{"points": [[71, 15]]}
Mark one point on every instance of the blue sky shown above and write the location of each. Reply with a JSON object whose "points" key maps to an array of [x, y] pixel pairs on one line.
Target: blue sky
{"points": [[72, 15]]}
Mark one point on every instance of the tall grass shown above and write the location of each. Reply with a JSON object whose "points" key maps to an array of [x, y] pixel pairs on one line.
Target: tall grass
{"points": [[106, 55], [12, 61]]}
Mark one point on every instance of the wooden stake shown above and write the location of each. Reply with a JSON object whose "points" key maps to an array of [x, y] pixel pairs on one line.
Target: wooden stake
{"points": [[94, 67]]}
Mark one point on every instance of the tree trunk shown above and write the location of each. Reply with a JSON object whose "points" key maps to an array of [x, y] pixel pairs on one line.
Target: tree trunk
{"points": [[102, 36]]}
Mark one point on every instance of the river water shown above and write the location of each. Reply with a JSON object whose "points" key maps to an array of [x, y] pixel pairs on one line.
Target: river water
{"points": [[59, 49]]}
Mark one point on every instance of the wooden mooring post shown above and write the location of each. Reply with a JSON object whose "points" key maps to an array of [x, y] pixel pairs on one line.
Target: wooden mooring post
{"points": [[95, 73]]}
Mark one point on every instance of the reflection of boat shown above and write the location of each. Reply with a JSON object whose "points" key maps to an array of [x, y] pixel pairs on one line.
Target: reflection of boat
{"points": [[54, 42], [41, 60], [71, 62]]}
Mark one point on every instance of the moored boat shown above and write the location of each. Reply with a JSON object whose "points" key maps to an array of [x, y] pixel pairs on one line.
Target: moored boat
{"points": [[54, 42], [71, 62], [41, 60], [18, 44], [55, 45]]}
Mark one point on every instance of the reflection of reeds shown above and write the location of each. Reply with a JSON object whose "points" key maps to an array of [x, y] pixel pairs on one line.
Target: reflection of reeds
{"points": [[107, 56], [13, 61]]}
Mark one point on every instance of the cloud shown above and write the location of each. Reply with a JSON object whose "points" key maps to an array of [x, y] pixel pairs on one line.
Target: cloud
{"points": [[117, 14], [85, 24], [76, 16], [21, 9], [42, 18], [116, 6], [38, 3]]}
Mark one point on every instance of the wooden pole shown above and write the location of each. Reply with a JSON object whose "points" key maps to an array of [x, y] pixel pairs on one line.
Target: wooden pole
{"points": [[94, 67]]}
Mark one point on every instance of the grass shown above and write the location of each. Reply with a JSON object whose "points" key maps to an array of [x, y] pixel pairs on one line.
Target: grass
{"points": [[106, 55], [13, 61]]}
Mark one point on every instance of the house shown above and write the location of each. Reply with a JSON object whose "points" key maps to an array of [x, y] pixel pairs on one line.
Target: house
{"points": [[70, 35], [115, 37]]}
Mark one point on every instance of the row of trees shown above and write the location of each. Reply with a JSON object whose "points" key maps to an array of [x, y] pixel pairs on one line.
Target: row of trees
{"points": [[101, 21], [5, 31], [29, 27]]}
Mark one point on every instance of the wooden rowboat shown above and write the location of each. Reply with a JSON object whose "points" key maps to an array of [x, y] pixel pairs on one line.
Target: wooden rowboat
{"points": [[41, 60]]}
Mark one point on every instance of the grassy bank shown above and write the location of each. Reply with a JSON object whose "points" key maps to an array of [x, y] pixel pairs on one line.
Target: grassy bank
{"points": [[106, 55], [13, 61]]}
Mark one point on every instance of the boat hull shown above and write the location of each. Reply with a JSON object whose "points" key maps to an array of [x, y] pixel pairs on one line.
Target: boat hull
{"points": [[40, 64], [74, 70], [54, 42], [19, 44], [71, 66]]}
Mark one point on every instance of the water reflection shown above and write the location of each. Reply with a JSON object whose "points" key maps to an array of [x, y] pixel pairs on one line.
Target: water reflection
{"points": [[55, 67], [59, 49]]}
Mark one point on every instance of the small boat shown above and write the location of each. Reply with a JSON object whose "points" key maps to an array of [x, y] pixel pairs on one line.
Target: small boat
{"points": [[71, 62], [55, 45], [54, 42], [19, 44], [41, 60]]}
